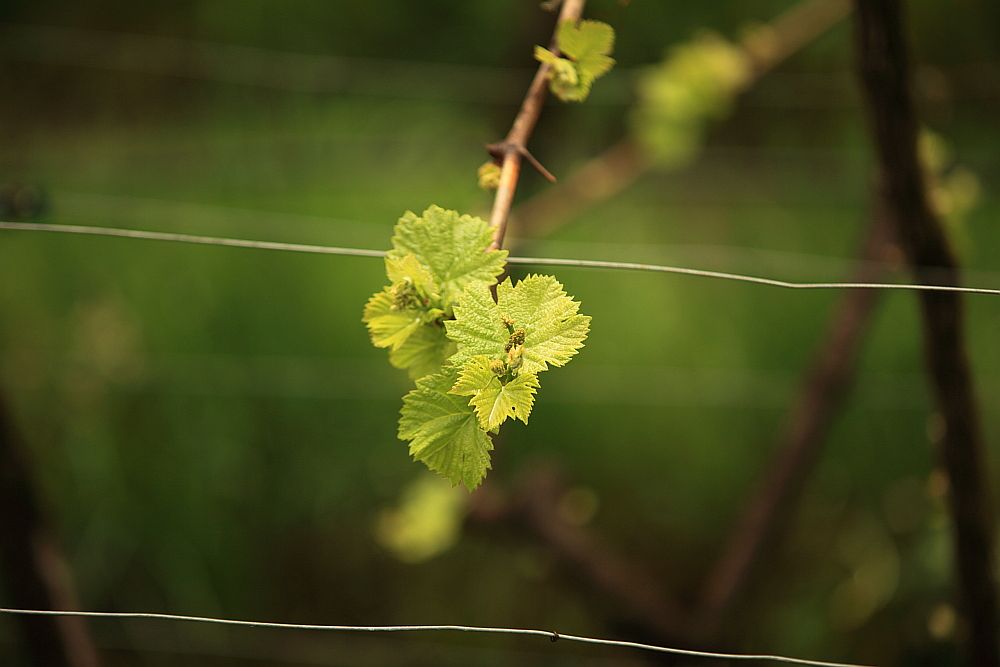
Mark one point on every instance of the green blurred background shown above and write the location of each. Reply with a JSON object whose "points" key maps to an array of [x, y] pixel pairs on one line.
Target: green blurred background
{"points": [[214, 435]]}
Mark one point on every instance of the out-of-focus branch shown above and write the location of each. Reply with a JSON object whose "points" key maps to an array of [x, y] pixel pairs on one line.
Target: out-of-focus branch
{"points": [[772, 43], [514, 148], [534, 507], [885, 76], [637, 593], [824, 388], [618, 167], [35, 574]]}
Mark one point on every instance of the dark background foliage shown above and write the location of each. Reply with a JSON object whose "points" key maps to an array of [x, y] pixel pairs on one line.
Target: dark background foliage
{"points": [[214, 435]]}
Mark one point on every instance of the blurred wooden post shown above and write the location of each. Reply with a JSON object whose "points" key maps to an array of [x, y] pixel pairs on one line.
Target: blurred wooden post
{"points": [[885, 72], [35, 575]]}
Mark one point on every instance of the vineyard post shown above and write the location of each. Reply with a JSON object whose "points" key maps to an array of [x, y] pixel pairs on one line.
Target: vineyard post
{"points": [[884, 71]]}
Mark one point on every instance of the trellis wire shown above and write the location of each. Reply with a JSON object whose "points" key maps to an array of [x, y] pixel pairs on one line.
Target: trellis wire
{"points": [[532, 261], [550, 634], [190, 238], [150, 208]]}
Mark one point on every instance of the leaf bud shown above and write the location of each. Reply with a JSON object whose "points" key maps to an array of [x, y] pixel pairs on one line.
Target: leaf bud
{"points": [[489, 176], [515, 357], [516, 339], [404, 295]]}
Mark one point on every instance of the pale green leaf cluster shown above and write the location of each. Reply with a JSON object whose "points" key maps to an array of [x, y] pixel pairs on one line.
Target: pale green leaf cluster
{"points": [[434, 258], [584, 56], [502, 346], [475, 360], [696, 83]]}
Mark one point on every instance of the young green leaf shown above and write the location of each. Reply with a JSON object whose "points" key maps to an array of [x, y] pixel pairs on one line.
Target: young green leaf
{"points": [[589, 43], [407, 268], [493, 399], [443, 431], [401, 309], [453, 247], [586, 48], [478, 327], [388, 325], [554, 329], [550, 326], [424, 352], [564, 80]]}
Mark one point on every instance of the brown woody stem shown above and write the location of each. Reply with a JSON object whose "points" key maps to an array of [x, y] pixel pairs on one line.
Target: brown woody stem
{"points": [[515, 146]]}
